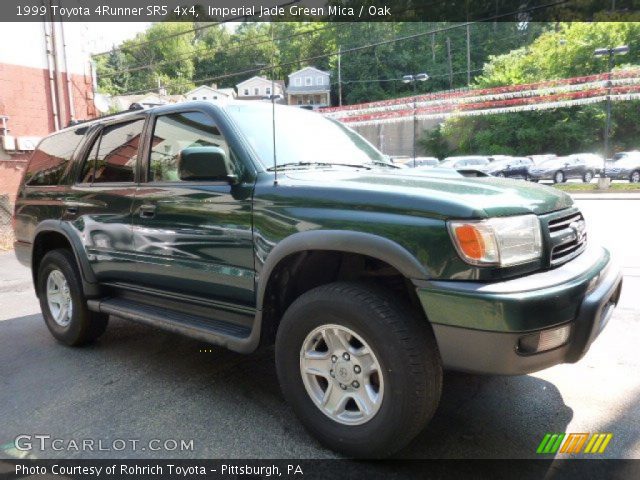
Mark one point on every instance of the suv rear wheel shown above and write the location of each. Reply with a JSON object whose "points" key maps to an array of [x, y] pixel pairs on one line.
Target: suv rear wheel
{"points": [[361, 372], [62, 301]]}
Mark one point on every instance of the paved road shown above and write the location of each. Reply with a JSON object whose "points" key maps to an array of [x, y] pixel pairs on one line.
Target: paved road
{"points": [[139, 383]]}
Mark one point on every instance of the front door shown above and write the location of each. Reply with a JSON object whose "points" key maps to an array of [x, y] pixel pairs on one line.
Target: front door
{"points": [[193, 238]]}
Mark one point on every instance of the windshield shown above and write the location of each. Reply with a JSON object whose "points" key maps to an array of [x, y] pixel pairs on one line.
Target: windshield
{"points": [[302, 137]]}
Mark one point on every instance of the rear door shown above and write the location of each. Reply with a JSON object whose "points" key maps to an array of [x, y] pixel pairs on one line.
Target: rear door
{"points": [[103, 194], [193, 238]]}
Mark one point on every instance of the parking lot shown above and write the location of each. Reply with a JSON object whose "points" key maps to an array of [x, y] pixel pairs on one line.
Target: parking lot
{"points": [[142, 384]]}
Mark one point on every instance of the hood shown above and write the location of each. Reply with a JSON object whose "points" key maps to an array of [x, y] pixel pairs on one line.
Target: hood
{"points": [[427, 193]]}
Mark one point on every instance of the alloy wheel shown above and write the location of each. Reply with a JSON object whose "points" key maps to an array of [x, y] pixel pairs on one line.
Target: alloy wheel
{"points": [[341, 374], [59, 298]]}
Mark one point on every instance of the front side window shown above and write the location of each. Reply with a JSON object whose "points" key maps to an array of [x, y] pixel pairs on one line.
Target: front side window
{"points": [[117, 152], [174, 132]]}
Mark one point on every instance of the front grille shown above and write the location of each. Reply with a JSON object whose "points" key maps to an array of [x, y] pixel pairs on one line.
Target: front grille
{"points": [[568, 237]]}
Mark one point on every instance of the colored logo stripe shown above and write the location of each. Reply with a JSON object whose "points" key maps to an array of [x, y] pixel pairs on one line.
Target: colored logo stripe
{"points": [[573, 443]]}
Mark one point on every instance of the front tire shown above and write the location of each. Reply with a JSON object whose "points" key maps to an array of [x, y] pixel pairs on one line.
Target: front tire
{"points": [[634, 177], [559, 177], [361, 371], [62, 301], [587, 177]]}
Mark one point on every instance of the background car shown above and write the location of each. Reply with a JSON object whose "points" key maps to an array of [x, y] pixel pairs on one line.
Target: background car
{"points": [[470, 162], [625, 166], [594, 163], [512, 167], [537, 159], [422, 162], [561, 169]]}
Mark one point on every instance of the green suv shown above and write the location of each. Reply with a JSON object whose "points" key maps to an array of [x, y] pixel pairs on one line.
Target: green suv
{"points": [[369, 279]]}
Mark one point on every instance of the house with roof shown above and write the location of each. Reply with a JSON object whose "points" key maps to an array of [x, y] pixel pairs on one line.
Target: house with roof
{"points": [[206, 92], [260, 88], [121, 103], [309, 87]]}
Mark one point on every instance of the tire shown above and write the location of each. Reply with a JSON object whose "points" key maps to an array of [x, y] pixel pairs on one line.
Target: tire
{"points": [[559, 177], [81, 326], [587, 177], [634, 177], [409, 363]]}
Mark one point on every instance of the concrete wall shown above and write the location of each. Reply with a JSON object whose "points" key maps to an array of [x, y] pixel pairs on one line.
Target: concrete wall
{"points": [[396, 138]]}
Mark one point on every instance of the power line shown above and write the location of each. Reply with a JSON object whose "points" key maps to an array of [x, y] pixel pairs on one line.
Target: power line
{"points": [[215, 50], [195, 29], [348, 50]]}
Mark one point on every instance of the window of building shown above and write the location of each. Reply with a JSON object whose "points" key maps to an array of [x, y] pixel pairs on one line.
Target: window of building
{"points": [[256, 91], [117, 152], [204, 98], [319, 80], [308, 81], [246, 91], [175, 132], [51, 158], [298, 81], [194, 98]]}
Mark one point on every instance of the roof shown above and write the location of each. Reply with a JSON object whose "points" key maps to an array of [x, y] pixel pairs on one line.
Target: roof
{"points": [[230, 92], [310, 68], [262, 79]]}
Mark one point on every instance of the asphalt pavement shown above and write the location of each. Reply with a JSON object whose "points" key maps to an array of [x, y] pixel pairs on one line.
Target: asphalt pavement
{"points": [[137, 384]]}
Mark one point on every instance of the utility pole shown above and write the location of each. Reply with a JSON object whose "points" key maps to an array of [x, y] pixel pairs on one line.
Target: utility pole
{"points": [[468, 55], [433, 47], [449, 61], [414, 79], [340, 75]]}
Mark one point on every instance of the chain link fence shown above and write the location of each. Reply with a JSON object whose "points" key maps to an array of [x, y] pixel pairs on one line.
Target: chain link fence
{"points": [[6, 230]]}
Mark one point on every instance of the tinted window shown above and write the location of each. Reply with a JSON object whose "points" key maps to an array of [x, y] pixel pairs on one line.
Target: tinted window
{"points": [[117, 152], [51, 157], [175, 132]]}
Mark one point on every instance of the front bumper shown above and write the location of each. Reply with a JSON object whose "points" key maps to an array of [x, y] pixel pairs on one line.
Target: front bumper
{"points": [[478, 325]]}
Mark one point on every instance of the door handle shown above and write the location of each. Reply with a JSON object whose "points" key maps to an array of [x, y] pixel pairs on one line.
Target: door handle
{"points": [[147, 211], [71, 210]]}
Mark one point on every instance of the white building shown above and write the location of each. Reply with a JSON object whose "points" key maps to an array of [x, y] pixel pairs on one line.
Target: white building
{"points": [[258, 88], [309, 87], [205, 92]]}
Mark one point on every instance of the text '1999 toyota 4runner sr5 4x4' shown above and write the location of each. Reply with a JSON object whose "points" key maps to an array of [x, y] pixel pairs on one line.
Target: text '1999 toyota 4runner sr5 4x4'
{"points": [[369, 279]]}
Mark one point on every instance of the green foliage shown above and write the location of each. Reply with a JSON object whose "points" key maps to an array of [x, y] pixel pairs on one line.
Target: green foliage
{"points": [[564, 52]]}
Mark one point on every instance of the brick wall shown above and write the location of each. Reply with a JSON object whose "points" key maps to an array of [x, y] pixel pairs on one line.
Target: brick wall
{"points": [[10, 175]]}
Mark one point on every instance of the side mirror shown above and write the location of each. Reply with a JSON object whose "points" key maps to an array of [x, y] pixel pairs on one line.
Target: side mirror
{"points": [[205, 163]]}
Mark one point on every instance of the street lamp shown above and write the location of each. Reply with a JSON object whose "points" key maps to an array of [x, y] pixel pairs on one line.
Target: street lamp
{"points": [[610, 53], [414, 79]]}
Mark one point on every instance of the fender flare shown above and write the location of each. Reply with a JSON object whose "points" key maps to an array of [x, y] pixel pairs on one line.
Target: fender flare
{"points": [[88, 278], [346, 241]]}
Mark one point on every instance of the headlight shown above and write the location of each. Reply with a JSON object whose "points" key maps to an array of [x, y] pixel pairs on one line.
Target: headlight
{"points": [[502, 241]]}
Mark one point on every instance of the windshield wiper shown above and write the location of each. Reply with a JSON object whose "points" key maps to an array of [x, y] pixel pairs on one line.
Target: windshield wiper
{"points": [[286, 166]]}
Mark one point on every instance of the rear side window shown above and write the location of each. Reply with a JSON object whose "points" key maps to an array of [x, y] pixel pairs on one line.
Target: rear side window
{"points": [[52, 156], [113, 155]]}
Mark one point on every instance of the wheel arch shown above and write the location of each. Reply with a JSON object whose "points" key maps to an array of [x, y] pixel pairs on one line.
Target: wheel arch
{"points": [[53, 234], [329, 252]]}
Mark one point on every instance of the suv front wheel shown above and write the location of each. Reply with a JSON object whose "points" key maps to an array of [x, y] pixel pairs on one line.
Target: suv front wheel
{"points": [[62, 301], [361, 372]]}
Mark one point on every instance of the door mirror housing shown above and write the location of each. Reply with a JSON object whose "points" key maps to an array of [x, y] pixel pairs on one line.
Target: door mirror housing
{"points": [[205, 163]]}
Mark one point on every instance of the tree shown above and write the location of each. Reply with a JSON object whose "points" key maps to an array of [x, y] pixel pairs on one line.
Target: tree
{"points": [[564, 52]]}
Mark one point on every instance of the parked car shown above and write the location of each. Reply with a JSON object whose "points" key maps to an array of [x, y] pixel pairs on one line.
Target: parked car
{"points": [[512, 167], [625, 166], [369, 279], [536, 159], [593, 161], [470, 162], [423, 162], [561, 169]]}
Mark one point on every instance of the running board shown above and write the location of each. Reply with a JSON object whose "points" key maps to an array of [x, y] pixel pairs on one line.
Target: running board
{"points": [[234, 337]]}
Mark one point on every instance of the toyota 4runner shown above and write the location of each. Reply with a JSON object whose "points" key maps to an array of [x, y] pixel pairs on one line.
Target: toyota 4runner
{"points": [[249, 224]]}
